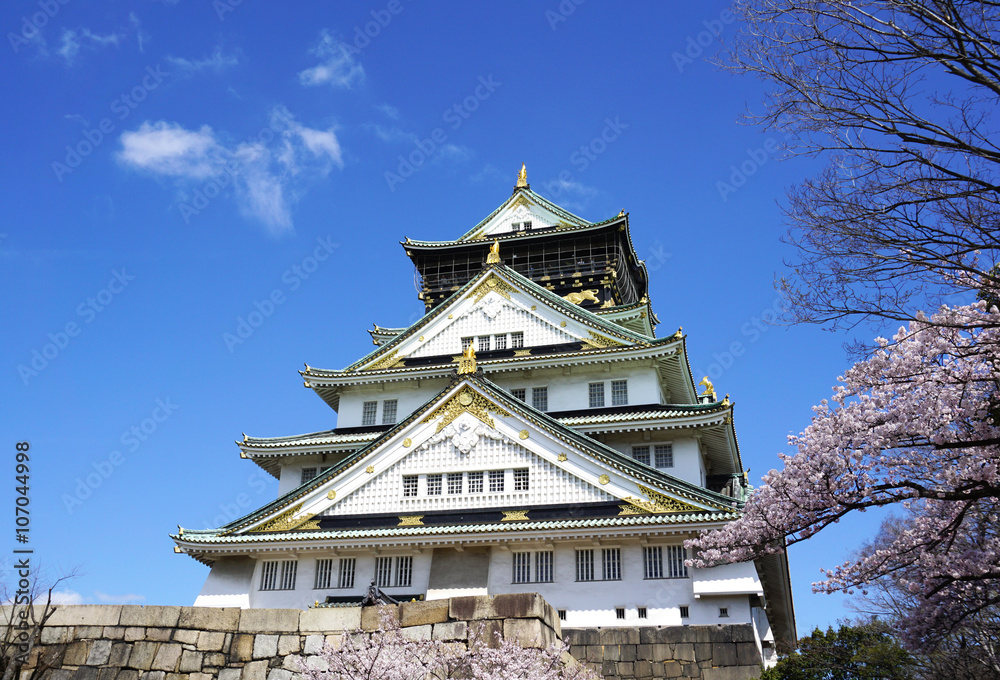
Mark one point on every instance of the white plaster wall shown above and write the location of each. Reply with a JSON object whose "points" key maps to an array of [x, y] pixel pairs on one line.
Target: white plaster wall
{"points": [[727, 579], [688, 462], [410, 395], [227, 585]]}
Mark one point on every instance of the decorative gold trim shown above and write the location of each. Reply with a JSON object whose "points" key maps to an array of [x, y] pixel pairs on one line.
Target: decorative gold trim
{"points": [[469, 400], [177, 549], [600, 342], [467, 364], [370, 469], [491, 283], [494, 255], [603, 479], [331, 494], [410, 521], [522, 177], [407, 442], [287, 521], [578, 297], [514, 515], [563, 457], [534, 307], [522, 352], [709, 388], [657, 503], [679, 334], [385, 362], [523, 434], [421, 338], [728, 420], [562, 324]]}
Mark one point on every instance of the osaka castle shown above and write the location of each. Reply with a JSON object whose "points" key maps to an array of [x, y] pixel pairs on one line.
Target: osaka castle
{"points": [[530, 433]]}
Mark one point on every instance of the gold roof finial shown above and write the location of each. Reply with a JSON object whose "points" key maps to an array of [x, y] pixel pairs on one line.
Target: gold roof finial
{"points": [[522, 178], [709, 388], [467, 364], [494, 256]]}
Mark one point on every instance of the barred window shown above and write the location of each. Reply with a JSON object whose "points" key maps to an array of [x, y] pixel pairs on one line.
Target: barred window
{"points": [[518, 393], [324, 574], [368, 412], [517, 340], [522, 567], [501, 341], [543, 566], [641, 612], [454, 482], [596, 393], [619, 392], [585, 565], [404, 571], [389, 412], [521, 479], [664, 455], [611, 560], [289, 568], [641, 454], [685, 611], [676, 555], [278, 575], [484, 344], [268, 575], [410, 483], [383, 572], [496, 481], [475, 482], [652, 562], [465, 343], [540, 398], [308, 474], [346, 577], [723, 612], [619, 612], [434, 485]]}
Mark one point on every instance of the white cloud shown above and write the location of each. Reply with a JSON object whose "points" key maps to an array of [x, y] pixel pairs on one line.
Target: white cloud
{"points": [[217, 62], [269, 173], [389, 111], [339, 68], [119, 599], [63, 597], [75, 39]]}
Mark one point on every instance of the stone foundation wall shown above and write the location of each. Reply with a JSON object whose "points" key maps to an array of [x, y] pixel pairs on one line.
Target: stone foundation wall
{"points": [[727, 652]]}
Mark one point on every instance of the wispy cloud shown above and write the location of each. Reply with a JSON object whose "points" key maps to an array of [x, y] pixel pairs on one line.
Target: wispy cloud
{"points": [[119, 599], [389, 111], [217, 62], [64, 597], [75, 39], [268, 176], [338, 67]]}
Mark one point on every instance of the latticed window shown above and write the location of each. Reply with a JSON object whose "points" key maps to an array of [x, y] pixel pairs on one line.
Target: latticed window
{"points": [[368, 411], [619, 392], [475, 482], [389, 412], [496, 481], [454, 482], [676, 554], [346, 577], [484, 344], [521, 479], [324, 574], [543, 566], [308, 474], [383, 572], [501, 341], [404, 571], [268, 575], [410, 485], [465, 343], [540, 398], [278, 575], [596, 394], [434, 485], [518, 393], [585, 565], [517, 340], [664, 455], [641, 454], [652, 562], [611, 560], [522, 567]]}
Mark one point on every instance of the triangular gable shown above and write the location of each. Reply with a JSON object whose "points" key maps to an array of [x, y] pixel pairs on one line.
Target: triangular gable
{"points": [[524, 206], [473, 426], [499, 300]]}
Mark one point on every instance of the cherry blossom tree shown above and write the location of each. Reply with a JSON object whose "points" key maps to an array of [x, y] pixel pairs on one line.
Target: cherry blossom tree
{"points": [[387, 654], [915, 425]]}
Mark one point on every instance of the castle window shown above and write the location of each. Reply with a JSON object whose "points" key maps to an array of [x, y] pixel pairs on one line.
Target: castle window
{"points": [[685, 611], [454, 482], [383, 572], [540, 398], [404, 571], [496, 481], [324, 573], [664, 455], [543, 566], [596, 394], [526, 226], [410, 485], [278, 575], [518, 393], [619, 612], [723, 612], [676, 555], [521, 479], [368, 411], [475, 482], [517, 340], [484, 343], [465, 343], [641, 454], [521, 563], [562, 614], [501, 341], [522, 567], [308, 474], [434, 485], [611, 562], [346, 577], [641, 611], [585, 565], [619, 392], [389, 412], [652, 562]]}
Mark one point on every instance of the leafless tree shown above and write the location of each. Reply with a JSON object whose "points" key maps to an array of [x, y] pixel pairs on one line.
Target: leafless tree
{"points": [[900, 97], [27, 611]]}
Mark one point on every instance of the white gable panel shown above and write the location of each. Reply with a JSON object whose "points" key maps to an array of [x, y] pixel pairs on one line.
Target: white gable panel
{"points": [[487, 449], [519, 211], [492, 315]]}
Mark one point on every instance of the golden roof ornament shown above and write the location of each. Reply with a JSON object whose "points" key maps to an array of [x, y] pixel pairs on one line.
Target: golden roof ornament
{"points": [[709, 388], [467, 364], [522, 178], [494, 256]]}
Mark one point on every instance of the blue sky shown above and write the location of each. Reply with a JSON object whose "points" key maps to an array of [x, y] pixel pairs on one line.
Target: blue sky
{"points": [[169, 165]]}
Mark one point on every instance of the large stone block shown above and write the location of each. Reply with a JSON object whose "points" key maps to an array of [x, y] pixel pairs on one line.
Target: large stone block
{"points": [[242, 648], [684, 651], [120, 652], [581, 636], [153, 675], [214, 659], [620, 636], [747, 654], [133, 634], [56, 635], [154, 616], [185, 636], [86, 615], [643, 669], [265, 646], [86, 673], [453, 630], [628, 652], [528, 632], [288, 644], [210, 618], [191, 662], [127, 675], [77, 653], [423, 613], [142, 655], [470, 607], [255, 670], [113, 632], [314, 644], [269, 621], [100, 650], [417, 632], [519, 606], [723, 654], [167, 657], [279, 674], [230, 673], [731, 673], [328, 619], [371, 617], [209, 641]]}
